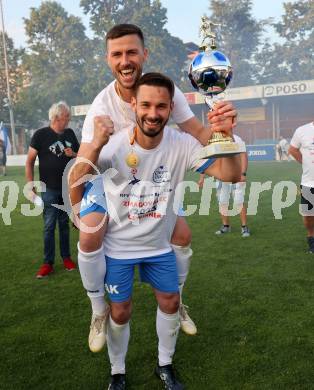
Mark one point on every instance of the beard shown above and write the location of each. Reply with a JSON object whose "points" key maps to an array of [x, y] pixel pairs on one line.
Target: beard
{"points": [[154, 132]]}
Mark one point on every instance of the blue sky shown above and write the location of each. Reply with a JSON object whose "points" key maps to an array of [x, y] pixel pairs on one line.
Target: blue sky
{"points": [[183, 15]]}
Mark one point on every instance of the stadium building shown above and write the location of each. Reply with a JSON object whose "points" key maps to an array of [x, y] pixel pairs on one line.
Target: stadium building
{"points": [[265, 112]]}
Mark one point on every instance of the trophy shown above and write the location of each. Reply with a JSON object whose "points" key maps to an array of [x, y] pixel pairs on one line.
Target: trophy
{"points": [[210, 73]]}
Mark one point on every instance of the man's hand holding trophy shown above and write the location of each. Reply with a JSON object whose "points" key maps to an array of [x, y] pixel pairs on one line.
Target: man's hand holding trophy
{"points": [[210, 73]]}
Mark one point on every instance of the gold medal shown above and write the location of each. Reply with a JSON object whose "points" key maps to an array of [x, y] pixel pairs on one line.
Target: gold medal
{"points": [[132, 160]]}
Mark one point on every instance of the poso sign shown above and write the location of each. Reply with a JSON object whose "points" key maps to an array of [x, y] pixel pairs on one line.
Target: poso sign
{"points": [[286, 89]]}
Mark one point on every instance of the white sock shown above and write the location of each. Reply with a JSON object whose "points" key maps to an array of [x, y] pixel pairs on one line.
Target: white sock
{"points": [[183, 256], [181, 285], [92, 267], [117, 341], [167, 326], [99, 305]]}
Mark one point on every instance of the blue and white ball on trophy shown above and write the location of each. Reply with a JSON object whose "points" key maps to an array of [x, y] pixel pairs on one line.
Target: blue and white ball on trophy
{"points": [[210, 73]]}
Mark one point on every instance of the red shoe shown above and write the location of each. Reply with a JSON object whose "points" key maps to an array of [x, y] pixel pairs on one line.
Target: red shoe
{"points": [[44, 270], [69, 265]]}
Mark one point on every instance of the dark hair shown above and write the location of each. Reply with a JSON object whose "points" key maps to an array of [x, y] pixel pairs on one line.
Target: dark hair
{"points": [[120, 30], [157, 80]]}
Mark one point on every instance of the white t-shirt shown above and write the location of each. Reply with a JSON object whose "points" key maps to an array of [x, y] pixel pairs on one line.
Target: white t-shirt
{"points": [[142, 199], [108, 102], [303, 139], [284, 145]]}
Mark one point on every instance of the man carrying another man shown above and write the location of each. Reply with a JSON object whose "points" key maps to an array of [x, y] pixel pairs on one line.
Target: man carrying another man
{"points": [[143, 162], [126, 55]]}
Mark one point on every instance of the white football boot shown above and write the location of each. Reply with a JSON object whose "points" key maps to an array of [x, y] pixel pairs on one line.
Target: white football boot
{"points": [[98, 330], [186, 322]]}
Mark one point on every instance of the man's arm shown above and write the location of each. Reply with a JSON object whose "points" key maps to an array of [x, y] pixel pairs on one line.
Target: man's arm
{"points": [[194, 127], [244, 164], [29, 167], [227, 169], [221, 119], [201, 180], [103, 128], [72, 151], [295, 153], [89, 152]]}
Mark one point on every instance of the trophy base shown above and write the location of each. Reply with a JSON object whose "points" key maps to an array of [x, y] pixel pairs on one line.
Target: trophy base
{"points": [[221, 149]]}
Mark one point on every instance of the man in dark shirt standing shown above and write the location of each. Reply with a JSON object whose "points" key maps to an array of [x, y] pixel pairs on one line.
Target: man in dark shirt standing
{"points": [[55, 146]]}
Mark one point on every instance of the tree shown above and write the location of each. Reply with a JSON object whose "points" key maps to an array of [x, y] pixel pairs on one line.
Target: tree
{"points": [[96, 74], [167, 53], [297, 22], [56, 57], [238, 36], [293, 59], [295, 56], [15, 76]]}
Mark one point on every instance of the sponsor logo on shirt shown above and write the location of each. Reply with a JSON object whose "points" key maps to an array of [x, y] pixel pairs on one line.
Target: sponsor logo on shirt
{"points": [[161, 175]]}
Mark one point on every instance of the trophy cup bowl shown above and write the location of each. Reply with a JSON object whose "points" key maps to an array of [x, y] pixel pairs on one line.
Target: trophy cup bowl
{"points": [[210, 73]]}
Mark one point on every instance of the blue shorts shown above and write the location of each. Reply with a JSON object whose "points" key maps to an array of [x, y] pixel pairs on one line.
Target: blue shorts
{"points": [[94, 199], [159, 271]]}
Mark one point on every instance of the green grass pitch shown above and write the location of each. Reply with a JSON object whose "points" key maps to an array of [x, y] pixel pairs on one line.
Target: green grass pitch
{"points": [[251, 298]]}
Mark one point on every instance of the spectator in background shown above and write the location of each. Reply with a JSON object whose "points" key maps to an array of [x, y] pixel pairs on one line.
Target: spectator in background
{"points": [[55, 146], [5, 147], [3, 157], [302, 149], [237, 190], [283, 148]]}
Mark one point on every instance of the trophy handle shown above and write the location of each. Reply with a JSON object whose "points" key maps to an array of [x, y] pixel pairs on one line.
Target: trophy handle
{"points": [[213, 99], [217, 137]]}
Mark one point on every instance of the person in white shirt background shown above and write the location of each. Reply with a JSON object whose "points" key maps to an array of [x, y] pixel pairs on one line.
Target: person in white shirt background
{"points": [[237, 190], [302, 150], [283, 148]]}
